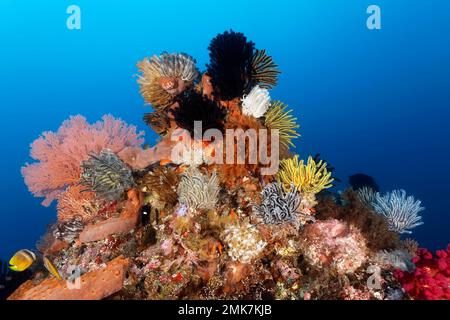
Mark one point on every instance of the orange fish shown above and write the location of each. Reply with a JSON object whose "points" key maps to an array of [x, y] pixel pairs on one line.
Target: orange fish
{"points": [[163, 162]]}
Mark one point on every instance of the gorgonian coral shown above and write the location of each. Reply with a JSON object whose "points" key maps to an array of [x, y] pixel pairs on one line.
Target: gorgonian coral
{"points": [[60, 154], [198, 191], [256, 103], [244, 242], [106, 175], [164, 77], [333, 245], [431, 278], [77, 202], [278, 118], [230, 67], [310, 178], [192, 107], [264, 70], [401, 212], [277, 206], [161, 183]]}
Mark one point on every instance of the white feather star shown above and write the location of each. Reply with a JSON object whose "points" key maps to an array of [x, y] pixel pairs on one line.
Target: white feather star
{"points": [[256, 103], [401, 212]]}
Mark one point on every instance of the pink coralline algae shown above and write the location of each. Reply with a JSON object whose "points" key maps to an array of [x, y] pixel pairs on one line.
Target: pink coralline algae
{"points": [[60, 154], [431, 279], [334, 245]]}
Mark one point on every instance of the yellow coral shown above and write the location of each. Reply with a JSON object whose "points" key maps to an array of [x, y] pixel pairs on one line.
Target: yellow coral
{"points": [[277, 117], [310, 178]]}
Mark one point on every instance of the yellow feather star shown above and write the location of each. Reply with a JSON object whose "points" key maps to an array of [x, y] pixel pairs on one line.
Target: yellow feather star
{"points": [[277, 117], [310, 178]]}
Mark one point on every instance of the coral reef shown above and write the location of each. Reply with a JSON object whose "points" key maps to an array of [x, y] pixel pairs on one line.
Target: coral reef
{"points": [[141, 223]]}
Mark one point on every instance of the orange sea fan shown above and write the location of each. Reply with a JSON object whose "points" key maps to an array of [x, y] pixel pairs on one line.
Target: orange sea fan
{"points": [[76, 202]]}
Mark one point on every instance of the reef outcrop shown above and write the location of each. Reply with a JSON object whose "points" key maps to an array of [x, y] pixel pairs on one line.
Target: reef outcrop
{"points": [[220, 207]]}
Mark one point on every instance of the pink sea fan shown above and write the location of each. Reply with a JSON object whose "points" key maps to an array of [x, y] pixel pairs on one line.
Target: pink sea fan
{"points": [[60, 154], [334, 245]]}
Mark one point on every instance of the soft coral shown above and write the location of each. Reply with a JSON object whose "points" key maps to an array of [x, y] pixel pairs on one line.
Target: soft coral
{"points": [[431, 279]]}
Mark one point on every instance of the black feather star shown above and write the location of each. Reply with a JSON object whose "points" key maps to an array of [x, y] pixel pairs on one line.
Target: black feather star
{"points": [[230, 68], [192, 106]]}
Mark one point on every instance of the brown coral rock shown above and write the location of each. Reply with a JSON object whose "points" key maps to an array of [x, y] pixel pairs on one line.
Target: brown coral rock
{"points": [[95, 285]]}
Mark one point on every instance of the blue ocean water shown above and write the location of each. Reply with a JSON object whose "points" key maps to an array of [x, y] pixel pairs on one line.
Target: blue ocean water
{"points": [[372, 101]]}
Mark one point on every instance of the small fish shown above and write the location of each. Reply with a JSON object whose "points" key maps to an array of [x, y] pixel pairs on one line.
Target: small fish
{"points": [[22, 260], [51, 268], [164, 162], [360, 180]]}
